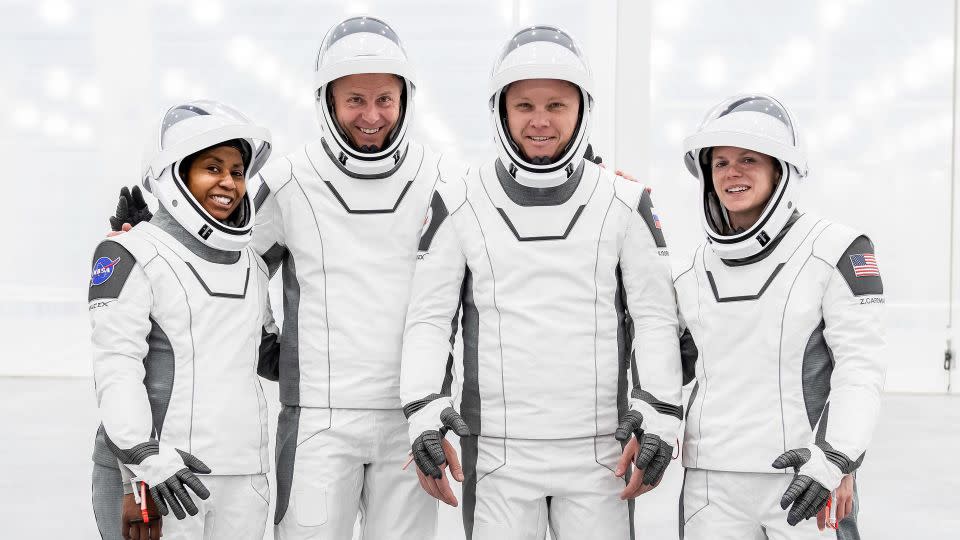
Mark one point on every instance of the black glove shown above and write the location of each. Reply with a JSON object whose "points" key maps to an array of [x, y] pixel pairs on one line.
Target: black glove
{"points": [[172, 493], [427, 448], [807, 495], [654, 454], [131, 209], [588, 155]]}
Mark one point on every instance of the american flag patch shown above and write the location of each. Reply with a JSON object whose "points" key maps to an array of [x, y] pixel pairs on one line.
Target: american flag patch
{"points": [[865, 265], [656, 221]]}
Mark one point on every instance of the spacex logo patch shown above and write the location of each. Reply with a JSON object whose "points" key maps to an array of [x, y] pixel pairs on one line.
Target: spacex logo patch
{"points": [[102, 270]]}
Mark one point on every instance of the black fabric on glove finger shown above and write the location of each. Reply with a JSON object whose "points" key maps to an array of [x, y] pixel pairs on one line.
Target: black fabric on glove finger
{"points": [[171, 495], [806, 495], [451, 419], [653, 455], [589, 155], [428, 453], [131, 208], [427, 449], [630, 425]]}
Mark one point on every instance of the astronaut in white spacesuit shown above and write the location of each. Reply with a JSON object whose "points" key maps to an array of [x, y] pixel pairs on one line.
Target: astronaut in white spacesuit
{"points": [[341, 216], [544, 253], [178, 306], [781, 317]]}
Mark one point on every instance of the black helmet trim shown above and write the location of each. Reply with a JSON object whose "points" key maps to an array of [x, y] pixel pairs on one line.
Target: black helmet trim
{"points": [[399, 155], [781, 188], [188, 196]]}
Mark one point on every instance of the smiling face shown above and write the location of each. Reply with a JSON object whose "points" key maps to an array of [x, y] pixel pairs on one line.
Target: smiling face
{"points": [[367, 107], [542, 116], [217, 181], [744, 180]]}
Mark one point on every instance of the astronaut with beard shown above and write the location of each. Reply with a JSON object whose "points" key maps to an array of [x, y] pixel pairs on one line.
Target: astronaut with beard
{"points": [[340, 218]]}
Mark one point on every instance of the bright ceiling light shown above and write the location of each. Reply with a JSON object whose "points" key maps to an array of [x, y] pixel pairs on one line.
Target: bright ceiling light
{"points": [[675, 132], [56, 11], [661, 55], [57, 83], [670, 15], [351, 9], [832, 14], [89, 95], [82, 133], [266, 69], [174, 84], [206, 11], [25, 116], [241, 51], [713, 71], [55, 125]]}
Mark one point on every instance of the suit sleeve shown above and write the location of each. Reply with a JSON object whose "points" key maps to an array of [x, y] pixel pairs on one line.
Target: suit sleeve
{"points": [[431, 314], [648, 282], [853, 310], [268, 233], [268, 241], [119, 308]]}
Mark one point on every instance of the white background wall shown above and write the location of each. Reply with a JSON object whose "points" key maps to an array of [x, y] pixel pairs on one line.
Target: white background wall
{"points": [[870, 80]]}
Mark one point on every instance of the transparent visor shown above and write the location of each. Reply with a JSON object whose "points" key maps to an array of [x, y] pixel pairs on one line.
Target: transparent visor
{"points": [[357, 25], [755, 103], [255, 153], [534, 34]]}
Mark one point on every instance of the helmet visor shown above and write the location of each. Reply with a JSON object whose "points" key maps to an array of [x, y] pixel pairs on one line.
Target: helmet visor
{"points": [[357, 25], [259, 149], [533, 34], [756, 104]]}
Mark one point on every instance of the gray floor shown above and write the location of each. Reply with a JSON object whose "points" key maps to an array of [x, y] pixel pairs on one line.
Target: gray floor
{"points": [[910, 485]]}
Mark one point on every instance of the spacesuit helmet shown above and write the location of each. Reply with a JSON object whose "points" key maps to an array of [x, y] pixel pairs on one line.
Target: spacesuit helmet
{"points": [[540, 52], [185, 130], [754, 122], [354, 46]]}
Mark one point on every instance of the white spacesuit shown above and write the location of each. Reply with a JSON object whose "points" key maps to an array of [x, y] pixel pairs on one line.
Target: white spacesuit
{"points": [[343, 223], [784, 337], [544, 259], [177, 309]]}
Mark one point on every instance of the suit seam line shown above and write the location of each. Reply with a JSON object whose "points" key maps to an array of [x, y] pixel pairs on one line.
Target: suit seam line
{"points": [[193, 353], [783, 316], [596, 327], [326, 311], [486, 248], [702, 356]]}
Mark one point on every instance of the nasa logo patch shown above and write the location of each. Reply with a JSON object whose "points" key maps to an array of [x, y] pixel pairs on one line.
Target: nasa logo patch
{"points": [[102, 270]]}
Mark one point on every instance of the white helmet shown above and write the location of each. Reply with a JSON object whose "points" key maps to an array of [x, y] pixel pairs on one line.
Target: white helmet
{"points": [[362, 45], [755, 122], [540, 52], [190, 128]]}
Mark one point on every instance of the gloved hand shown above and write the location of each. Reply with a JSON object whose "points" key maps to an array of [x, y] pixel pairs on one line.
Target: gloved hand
{"points": [[167, 471], [654, 453], [131, 208], [132, 526], [427, 448], [815, 476], [589, 155]]}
